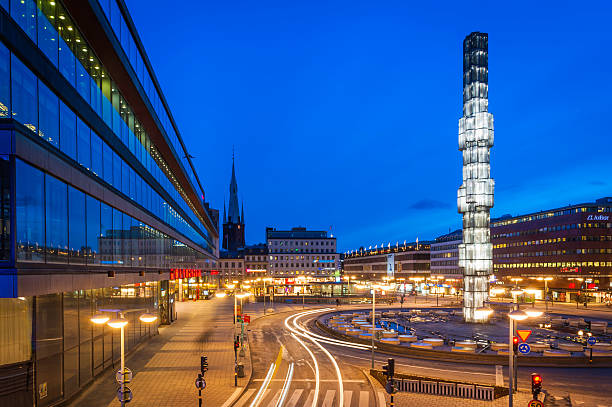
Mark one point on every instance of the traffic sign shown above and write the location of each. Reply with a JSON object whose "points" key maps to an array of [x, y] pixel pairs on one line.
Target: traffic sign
{"points": [[126, 377], [524, 348], [591, 341], [523, 334], [535, 403], [247, 319], [124, 395], [200, 383]]}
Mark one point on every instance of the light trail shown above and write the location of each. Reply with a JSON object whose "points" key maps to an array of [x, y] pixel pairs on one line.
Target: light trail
{"points": [[285, 390], [317, 383], [312, 336], [303, 332], [264, 385]]}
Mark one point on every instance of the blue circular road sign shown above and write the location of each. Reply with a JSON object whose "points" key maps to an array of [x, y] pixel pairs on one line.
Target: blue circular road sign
{"points": [[524, 348], [591, 341]]}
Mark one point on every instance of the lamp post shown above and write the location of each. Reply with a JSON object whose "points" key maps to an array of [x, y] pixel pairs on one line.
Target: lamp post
{"points": [[373, 320], [120, 323], [546, 280]]}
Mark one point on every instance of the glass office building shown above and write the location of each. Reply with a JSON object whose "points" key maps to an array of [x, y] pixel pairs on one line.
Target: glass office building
{"points": [[100, 203]]}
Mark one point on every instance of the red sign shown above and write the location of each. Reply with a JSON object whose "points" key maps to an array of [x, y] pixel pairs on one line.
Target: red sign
{"points": [[289, 281], [184, 273], [246, 319], [523, 334], [570, 269], [214, 272]]}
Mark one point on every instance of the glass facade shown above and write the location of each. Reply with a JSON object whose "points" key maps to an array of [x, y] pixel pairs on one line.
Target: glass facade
{"points": [[57, 223], [51, 28]]}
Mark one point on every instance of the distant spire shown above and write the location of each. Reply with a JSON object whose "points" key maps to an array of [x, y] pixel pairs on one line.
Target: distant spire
{"points": [[233, 211]]}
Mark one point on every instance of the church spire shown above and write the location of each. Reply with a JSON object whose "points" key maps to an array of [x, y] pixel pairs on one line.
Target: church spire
{"points": [[233, 210]]}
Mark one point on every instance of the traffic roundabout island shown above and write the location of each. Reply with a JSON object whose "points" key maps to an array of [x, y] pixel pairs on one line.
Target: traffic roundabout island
{"points": [[441, 334]]}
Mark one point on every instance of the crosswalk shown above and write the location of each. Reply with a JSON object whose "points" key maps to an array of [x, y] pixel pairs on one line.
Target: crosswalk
{"points": [[305, 397]]}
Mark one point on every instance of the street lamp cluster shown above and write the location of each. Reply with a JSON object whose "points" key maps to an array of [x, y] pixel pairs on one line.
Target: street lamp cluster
{"points": [[120, 322]]}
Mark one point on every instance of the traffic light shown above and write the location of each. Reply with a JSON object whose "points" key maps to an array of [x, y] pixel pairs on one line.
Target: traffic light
{"points": [[515, 342], [389, 368], [536, 384], [203, 364], [237, 343]]}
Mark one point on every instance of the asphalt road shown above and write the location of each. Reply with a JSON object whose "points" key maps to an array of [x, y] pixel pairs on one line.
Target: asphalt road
{"points": [[268, 337], [586, 386]]}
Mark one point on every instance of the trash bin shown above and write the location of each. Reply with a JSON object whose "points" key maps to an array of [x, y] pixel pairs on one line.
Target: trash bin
{"points": [[240, 370]]}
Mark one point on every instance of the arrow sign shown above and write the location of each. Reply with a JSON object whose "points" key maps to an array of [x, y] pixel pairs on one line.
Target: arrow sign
{"points": [[523, 334]]}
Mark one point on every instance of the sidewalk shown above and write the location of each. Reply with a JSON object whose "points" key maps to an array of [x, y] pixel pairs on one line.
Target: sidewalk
{"points": [[165, 368]]}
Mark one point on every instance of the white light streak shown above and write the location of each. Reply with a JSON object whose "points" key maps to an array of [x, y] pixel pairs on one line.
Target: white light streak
{"points": [[263, 387], [286, 386]]}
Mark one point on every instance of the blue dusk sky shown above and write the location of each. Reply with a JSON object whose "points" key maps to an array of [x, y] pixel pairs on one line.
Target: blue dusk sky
{"points": [[344, 114]]}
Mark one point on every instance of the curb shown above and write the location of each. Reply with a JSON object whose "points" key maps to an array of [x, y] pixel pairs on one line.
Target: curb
{"points": [[530, 361], [373, 386]]}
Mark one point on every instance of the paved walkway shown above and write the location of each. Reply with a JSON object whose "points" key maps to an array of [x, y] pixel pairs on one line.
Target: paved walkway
{"points": [[166, 367]]}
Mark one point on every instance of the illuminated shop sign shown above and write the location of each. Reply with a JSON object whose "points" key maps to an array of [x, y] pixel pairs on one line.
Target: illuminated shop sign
{"points": [[570, 269], [184, 273], [598, 217], [255, 271]]}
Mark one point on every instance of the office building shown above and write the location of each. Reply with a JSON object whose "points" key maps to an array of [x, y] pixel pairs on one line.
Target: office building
{"points": [[101, 205], [570, 246], [475, 196], [298, 251], [398, 262], [445, 255]]}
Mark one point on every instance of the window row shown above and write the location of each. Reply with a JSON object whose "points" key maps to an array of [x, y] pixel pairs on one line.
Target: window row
{"points": [[30, 102], [51, 28], [56, 223], [125, 38]]}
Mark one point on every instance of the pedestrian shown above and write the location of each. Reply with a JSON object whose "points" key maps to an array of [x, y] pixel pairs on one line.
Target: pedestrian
{"points": [[337, 302]]}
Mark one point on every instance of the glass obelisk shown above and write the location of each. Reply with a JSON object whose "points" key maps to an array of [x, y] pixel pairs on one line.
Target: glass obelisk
{"points": [[475, 196]]}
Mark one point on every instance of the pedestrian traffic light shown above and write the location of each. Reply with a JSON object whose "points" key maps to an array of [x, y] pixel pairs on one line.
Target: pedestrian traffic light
{"points": [[536, 384], [236, 344], [203, 364], [515, 343]]}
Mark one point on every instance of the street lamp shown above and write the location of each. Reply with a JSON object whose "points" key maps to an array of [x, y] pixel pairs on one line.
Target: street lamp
{"points": [[546, 280], [119, 322]]}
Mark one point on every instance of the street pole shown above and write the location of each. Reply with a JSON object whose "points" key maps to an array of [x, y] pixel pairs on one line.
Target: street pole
{"points": [[264, 295], [546, 294], [510, 360], [373, 321], [122, 367], [303, 296]]}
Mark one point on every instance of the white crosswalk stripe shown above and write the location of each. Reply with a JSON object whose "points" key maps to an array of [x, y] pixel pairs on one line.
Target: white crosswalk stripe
{"points": [[295, 397], [329, 398], [245, 397], [348, 395], [305, 397], [364, 398], [275, 398]]}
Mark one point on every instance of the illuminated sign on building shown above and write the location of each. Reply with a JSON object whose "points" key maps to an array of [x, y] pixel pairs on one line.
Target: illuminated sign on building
{"points": [[185, 273]]}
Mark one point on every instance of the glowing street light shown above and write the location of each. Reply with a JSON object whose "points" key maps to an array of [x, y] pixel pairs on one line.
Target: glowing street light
{"points": [[100, 319], [220, 294]]}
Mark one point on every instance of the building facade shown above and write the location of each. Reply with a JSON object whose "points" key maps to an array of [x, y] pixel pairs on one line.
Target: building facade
{"points": [[475, 196], [233, 222], [399, 262], [298, 251], [445, 255], [571, 246], [256, 260], [101, 205]]}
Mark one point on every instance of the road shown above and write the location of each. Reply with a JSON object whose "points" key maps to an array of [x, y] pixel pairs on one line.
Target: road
{"points": [[586, 386], [304, 374]]}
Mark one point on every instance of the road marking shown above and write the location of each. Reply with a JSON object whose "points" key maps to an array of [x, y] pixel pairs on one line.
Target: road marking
{"points": [[312, 380], [231, 398], [348, 395], [418, 367], [243, 400], [381, 399], [295, 398], [329, 398], [310, 398], [364, 398], [274, 400]]}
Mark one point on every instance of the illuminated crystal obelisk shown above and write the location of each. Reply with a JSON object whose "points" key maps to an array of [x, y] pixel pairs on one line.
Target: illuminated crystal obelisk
{"points": [[475, 196]]}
